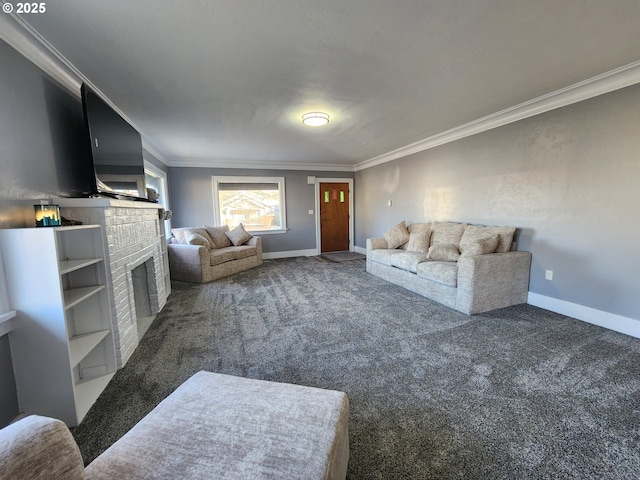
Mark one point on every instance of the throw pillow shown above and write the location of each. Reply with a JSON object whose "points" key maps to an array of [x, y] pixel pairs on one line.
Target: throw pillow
{"points": [[483, 246], [476, 232], [239, 235], [419, 241], [218, 235], [446, 232], [193, 238], [445, 252], [396, 235], [180, 235]]}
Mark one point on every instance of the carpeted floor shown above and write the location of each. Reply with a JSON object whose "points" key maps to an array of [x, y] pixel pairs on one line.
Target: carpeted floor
{"points": [[518, 393], [343, 256]]}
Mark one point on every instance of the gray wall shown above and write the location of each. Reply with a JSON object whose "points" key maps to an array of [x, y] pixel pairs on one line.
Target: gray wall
{"points": [[43, 144], [191, 200], [567, 179]]}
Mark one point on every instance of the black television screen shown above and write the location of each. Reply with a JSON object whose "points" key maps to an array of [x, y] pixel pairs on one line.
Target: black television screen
{"points": [[116, 149]]}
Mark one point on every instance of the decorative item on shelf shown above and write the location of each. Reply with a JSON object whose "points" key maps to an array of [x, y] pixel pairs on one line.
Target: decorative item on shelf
{"points": [[166, 215], [152, 195], [47, 215]]}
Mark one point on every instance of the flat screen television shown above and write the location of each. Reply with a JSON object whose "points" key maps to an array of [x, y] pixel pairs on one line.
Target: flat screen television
{"points": [[116, 149]]}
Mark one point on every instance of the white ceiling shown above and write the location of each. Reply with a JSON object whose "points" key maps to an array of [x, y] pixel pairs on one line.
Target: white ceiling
{"points": [[225, 82]]}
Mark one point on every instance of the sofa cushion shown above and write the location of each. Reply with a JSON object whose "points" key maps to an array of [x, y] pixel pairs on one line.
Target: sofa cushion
{"points": [[383, 255], [181, 234], [222, 255], [396, 235], [238, 235], [447, 252], [243, 251], [218, 236], [441, 272], [476, 232], [483, 246], [446, 232], [407, 260]]}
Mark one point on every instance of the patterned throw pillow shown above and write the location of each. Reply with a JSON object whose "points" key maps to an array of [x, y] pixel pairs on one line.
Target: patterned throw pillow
{"points": [[180, 235], [419, 241], [193, 238], [218, 235], [477, 232], [446, 232], [483, 246], [396, 235], [445, 252], [239, 235]]}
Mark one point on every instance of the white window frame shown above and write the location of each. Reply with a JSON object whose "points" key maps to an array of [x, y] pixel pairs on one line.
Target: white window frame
{"points": [[6, 314], [153, 171], [242, 179]]}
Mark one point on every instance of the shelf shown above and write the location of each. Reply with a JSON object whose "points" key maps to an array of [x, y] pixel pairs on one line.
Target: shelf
{"points": [[88, 390], [81, 345], [73, 296], [67, 266]]}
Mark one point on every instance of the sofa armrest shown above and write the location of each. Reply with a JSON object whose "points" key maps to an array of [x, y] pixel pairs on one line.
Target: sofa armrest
{"points": [[188, 263], [497, 280], [374, 244], [257, 242], [38, 447]]}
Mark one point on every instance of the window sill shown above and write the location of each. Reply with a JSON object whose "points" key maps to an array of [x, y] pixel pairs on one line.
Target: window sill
{"points": [[267, 232], [5, 322]]}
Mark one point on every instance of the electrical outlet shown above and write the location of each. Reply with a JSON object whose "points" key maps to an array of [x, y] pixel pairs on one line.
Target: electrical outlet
{"points": [[548, 275], [310, 212]]}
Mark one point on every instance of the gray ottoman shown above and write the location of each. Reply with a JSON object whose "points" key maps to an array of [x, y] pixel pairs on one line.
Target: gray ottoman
{"points": [[218, 426]]}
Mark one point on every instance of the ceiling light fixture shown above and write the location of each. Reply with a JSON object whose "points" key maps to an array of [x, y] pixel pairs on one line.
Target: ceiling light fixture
{"points": [[315, 119]]}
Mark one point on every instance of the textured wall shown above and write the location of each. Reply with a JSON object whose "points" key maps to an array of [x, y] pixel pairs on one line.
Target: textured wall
{"points": [[43, 141], [566, 179], [191, 201]]}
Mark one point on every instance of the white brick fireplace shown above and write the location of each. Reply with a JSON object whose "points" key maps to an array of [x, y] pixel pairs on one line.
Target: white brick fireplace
{"points": [[134, 237]]}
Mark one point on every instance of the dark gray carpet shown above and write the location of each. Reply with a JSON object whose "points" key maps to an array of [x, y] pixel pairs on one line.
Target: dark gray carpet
{"points": [[343, 256], [434, 394]]}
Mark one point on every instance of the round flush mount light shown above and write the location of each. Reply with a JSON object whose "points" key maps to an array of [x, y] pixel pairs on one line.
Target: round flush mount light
{"points": [[315, 119]]}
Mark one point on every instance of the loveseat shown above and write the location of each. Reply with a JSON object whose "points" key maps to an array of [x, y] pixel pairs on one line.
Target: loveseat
{"points": [[204, 254], [470, 268], [212, 426]]}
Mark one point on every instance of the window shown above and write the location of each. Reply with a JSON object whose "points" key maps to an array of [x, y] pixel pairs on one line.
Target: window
{"points": [[5, 309], [157, 179], [256, 202]]}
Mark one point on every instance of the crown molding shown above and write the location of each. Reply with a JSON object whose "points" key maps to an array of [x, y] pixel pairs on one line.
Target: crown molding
{"points": [[30, 44], [258, 165], [26, 40], [607, 82]]}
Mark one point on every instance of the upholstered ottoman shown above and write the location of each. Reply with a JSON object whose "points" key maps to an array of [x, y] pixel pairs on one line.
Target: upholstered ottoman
{"points": [[218, 426]]}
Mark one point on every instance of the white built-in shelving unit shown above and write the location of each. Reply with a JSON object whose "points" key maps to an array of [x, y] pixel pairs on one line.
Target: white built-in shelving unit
{"points": [[62, 344]]}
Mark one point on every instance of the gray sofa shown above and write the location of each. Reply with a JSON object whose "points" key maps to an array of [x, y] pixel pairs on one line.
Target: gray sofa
{"points": [[212, 426], [204, 254], [470, 268]]}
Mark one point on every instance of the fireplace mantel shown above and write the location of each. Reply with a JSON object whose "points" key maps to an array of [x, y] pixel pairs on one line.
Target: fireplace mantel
{"points": [[133, 234]]}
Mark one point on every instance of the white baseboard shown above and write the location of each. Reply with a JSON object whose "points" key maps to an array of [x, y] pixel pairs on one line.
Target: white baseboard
{"points": [[290, 253], [361, 250], [618, 323]]}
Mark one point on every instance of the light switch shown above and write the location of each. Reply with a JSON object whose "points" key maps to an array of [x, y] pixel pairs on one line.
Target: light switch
{"points": [[389, 203], [310, 212]]}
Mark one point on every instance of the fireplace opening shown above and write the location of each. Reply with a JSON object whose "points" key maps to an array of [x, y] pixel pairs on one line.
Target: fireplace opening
{"points": [[144, 309]]}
